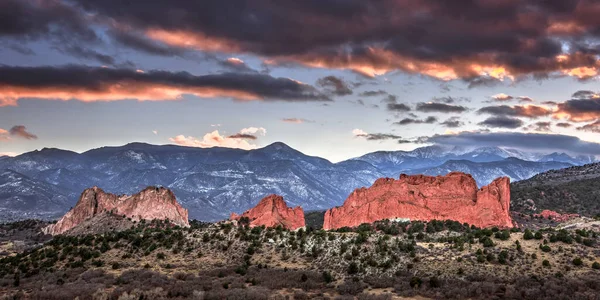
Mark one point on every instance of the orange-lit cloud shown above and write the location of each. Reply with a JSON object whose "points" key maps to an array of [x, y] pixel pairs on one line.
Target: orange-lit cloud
{"points": [[115, 92], [89, 84], [11, 154], [215, 139], [195, 40], [212, 139], [4, 135]]}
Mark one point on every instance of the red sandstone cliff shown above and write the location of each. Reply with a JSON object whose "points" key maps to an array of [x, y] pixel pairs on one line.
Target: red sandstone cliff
{"points": [[272, 211], [419, 197], [151, 203]]}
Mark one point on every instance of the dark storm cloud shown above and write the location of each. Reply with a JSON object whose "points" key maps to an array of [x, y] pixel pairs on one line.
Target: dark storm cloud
{"points": [[81, 52], [334, 85], [564, 125], [550, 103], [140, 42], [243, 136], [529, 111], [501, 122], [539, 126], [453, 122], [373, 93], [440, 107], [579, 110], [584, 94], [27, 19], [376, 136], [591, 127], [382, 136], [482, 81], [524, 99], [398, 107], [450, 100], [107, 84], [439, 38], [21, 131], [533, 141], [409, 121]]}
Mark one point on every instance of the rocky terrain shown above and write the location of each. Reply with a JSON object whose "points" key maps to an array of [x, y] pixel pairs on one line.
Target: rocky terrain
{"points": [[149, 204], [272, 211], [212, 182], [386, 260], [419, 197]]}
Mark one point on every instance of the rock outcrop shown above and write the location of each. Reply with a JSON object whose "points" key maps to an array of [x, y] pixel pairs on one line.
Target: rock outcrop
{"points": [[151, 203], [555, 216], [272, 211], [419, 197]]}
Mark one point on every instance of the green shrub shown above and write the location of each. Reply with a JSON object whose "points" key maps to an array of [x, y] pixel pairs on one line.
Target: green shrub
{"points": [[546, 263]]}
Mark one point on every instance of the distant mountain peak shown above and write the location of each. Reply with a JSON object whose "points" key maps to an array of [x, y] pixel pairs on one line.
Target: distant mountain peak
{"points": [[279, 146]]}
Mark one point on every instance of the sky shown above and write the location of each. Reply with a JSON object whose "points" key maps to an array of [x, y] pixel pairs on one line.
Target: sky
{"points": [[331, 78]]}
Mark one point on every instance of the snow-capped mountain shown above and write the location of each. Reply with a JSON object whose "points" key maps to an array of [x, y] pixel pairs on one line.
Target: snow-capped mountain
{"points": [[210, 182], [392, 163], [485, 172], [214, 182]]}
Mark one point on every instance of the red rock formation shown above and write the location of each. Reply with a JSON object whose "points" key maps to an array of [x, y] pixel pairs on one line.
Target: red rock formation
{"points": [[558, 217], [419, 197], [151, 203], [272, 211]]}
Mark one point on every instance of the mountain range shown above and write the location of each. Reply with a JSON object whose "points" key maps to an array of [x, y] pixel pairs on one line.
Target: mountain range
{"points": [[212, 182]]}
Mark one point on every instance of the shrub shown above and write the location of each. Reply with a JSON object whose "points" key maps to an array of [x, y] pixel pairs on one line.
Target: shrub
{"points": [[434, 282], [577, 261], [116, 266], [546, 263], [352, 268], [327, 277], [528, 235], [596, 265], [415, 282]]}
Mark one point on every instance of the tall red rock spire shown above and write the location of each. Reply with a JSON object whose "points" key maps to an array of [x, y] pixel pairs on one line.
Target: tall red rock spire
{"points": [[272, 211], [151, 203]]}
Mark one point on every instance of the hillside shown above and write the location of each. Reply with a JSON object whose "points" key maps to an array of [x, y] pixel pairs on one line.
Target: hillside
{"points": [[570, 190], [432, 260]]}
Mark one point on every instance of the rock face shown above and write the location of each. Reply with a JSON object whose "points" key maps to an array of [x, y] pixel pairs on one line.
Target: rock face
{"points": [[558, 217], [272, 211], [151, 203], [419, 197]]}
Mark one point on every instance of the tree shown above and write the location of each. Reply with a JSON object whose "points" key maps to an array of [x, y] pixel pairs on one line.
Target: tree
{"points": [[577, 261], [352, 268], [538, 235], [596, 265], [528, 235], [327, 277]]}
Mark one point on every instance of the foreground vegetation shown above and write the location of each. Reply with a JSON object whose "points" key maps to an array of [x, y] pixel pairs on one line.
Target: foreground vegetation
{"points": [[437, 259]]}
